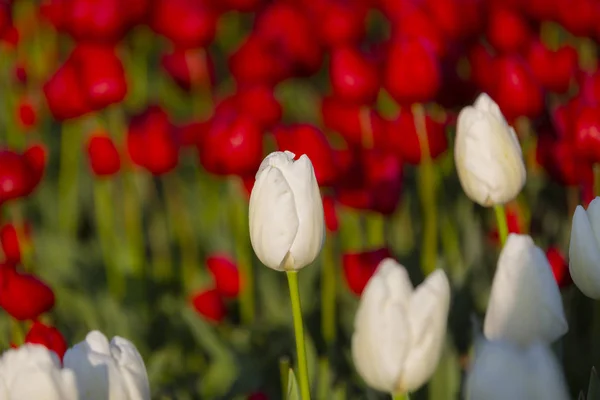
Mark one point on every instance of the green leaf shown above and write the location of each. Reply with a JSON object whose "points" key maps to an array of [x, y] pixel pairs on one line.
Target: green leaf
{"points": [[293, 390], [593, 392]]}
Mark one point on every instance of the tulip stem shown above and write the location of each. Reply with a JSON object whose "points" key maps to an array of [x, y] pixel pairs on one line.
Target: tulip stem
{"points": [[241, 231], [67, 178], [401, 396], [501, 221], [427, 191], [328, 313], [284, 372], [106, 232], [133, 224], [17, 332], [596, 179], [292, 277]]}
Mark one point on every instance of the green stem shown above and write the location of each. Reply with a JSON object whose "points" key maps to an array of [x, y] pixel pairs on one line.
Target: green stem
{"points": [[160, 241], [292, 277], [328, 293], [17, 332], [324, 378], [239, 225], [67, 178], [375, 229], [106, 232], [427, 191], [133, 224], [501, 221], [284, 373], [401, 396]]}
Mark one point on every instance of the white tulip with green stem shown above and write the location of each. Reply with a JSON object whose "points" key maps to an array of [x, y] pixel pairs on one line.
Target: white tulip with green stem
{"points": [[287, 230]]}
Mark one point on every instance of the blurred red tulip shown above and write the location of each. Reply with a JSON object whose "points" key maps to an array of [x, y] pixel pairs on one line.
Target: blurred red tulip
{"points": [[151, 142], [20, 173], [47, 336], [416, 23], [339, 23], [26, 114], [103, 155], [483, 66], [507, 29], [307, 139], [456, 19], [586, 132], [412, 72], [21, 74], [258, 396], [260, 103], [9, 241], [402, 138], [233, 145], [372, 180], [553, 69], [331, 218], [186, 23], [353, 78], [65, 95], [516, 90], [191, 133], [345, 119], [359, 267], [35, 156], [24, 296], [225, 274], [189, 67], [258, 61], [236, 5], [560, 267], [578, 16], [542, 10], [102, 74], [210, 305]]}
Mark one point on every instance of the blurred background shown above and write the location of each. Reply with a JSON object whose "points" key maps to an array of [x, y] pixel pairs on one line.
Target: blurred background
{"points": [[131, 131]]}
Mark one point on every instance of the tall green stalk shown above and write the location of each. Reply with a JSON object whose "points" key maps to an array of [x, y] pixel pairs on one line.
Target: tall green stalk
{"points": [[70, 149], [292, 277], [501, 222], [401, 396], [328, 313]]}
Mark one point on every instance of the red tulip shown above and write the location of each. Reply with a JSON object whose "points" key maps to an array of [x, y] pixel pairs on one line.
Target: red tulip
{"points": [[331, 218], [483, 66], [417, 23], [9, 241], [26, 114], [191, 133], [225, 273], [359, 267], [47, 336], [507, 30], [189, 67], [553, 69], [542, 10], [412, 72], [103, 155], [24, 296], [560, 267], [402, 138], [349, 121], [260, 103], [339, 23], [307, 139], [236, 5], [210, 305], [35, 156], [516, 90], [102, 74], [578, 16], [586, 131], [258, 61], [151, 143], [372, 180], [258, 396], [65, 95], [353, 78], [19, 173], [233, 145], [20, 74], [187, 23], [456, 19]]}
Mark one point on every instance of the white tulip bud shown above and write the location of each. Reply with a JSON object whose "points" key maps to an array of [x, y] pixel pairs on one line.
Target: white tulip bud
{"points": [[108, 371], [287, 223], [503, 370], [400, 331], [34, 372], [488, 157], [525, 304], [584, 249]]}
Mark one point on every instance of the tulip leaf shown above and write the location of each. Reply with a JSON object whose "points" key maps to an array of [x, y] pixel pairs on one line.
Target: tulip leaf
{"points": [[593, 392], [293, 389]]}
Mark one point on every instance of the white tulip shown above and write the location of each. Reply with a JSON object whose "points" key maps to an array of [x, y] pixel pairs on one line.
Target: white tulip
{"points": [[34, 372], [108, 371], [503, 370], [287, 225], [525, 304], [399, 331], [584, 249], [487, 153]]}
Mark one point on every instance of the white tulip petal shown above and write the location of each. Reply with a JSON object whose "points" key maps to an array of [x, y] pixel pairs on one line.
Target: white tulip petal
{"points": [[584, 253], [133, 369], [525, 303], [273, 219], [486, 104], [428, 313], [545, 374], [309, 207]]}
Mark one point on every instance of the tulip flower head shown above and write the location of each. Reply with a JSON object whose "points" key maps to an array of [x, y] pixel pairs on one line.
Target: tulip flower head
{"points": [[287, 227], [525, 304], [505, 371], [399, 331], [488, 157], [584, 249]]}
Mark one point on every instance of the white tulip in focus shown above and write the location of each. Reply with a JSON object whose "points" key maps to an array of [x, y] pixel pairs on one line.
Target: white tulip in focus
{"points": [[108, 371], [34, 372], [400, 331], [487, 153], [287, 225], [584, 249], [525, 304], [503, 371]]}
